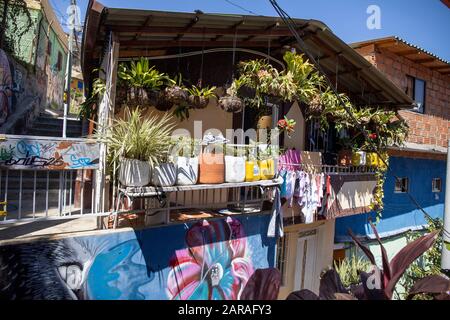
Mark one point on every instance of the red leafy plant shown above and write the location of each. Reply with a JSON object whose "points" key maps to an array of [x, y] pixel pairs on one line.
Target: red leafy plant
{"points": [[380, 284]]}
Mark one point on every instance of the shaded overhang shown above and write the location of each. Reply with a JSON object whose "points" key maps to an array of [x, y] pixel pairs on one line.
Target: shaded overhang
{"points": [[150, 33]]}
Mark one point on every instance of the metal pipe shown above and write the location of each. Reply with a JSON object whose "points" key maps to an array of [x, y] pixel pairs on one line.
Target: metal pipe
{"points": [[445, 258]]}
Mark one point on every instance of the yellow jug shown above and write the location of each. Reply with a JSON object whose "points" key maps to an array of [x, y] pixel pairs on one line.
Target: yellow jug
{"points": [[249, 171], [372, 159], [267, 168]]}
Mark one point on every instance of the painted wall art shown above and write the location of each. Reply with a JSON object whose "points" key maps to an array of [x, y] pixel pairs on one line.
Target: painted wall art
{"points": [[24, 152], [204, 260]]}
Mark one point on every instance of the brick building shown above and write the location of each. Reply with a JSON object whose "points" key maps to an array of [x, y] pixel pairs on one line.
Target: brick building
{"points": [[420, 164]]}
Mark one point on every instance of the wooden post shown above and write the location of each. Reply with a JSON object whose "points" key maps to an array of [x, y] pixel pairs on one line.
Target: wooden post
{"points": [[105, 117]]}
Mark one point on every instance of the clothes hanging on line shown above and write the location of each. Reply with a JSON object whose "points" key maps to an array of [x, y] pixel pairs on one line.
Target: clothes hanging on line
{"points": [[308, 190]]}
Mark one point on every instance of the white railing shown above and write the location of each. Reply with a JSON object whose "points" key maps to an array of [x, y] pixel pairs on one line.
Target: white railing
{"points": [[46, 178]]}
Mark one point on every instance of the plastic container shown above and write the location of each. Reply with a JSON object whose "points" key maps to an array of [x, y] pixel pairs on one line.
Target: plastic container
{"points": [[134, 173], [212, 168], [267, 168], [235, 169], [187, 171], [164, 175], [359, 158], [372, 159]]}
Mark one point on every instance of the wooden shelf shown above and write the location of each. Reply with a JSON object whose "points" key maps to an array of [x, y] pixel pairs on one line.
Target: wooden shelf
{"points": [[144, 192]]}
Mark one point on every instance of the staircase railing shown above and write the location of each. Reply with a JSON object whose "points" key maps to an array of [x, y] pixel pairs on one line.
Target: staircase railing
{"points": [[47, 178]]}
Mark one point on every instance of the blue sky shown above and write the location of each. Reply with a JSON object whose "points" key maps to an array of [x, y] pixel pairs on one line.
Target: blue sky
{"points": [[422, 22]]}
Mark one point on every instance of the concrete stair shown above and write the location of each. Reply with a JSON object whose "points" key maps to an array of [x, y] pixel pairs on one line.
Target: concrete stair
{"points": [[45, 126]]}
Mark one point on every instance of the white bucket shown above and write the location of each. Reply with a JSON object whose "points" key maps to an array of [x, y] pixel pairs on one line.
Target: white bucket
{"points": [[234, 169], [187, 171], [164, 175], [134, 173]]}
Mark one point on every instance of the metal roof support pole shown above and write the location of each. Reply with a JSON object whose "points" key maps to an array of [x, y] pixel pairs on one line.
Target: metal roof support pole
{"points": [[445, 259], [105, 118]]}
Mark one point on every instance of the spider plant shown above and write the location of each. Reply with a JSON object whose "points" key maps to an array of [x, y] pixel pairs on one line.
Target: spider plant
{"points": [[137, 137]]}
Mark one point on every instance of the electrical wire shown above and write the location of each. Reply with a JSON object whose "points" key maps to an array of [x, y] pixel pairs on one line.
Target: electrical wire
{"points": [[215, 50], [290, 23], [241, 7]]}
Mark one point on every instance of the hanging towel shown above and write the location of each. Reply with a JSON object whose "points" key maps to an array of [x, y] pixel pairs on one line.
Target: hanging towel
{"points": [[276, 221], [290, 157]]}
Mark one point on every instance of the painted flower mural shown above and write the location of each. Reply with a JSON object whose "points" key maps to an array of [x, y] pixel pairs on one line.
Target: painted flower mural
{"points": [[216, 264]]}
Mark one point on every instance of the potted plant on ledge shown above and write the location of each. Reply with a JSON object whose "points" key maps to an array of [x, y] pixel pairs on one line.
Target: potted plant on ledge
{"points": [[135, 144], [187, 159]]}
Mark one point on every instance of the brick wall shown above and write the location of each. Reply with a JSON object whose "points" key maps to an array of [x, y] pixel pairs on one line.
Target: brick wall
{"points": [[433, 127]]}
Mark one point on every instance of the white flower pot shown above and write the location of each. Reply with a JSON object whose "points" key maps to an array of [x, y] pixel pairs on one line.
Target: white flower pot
{"points": [[164, 175], [134, 173], [234, 169], [187, 171]]}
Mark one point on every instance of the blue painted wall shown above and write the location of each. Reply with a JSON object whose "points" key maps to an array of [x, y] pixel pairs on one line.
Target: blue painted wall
{"points": [[211, 260], [400, 214]]}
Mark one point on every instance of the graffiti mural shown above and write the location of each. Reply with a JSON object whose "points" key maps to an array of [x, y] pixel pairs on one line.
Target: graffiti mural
{"points": [[216, 264], [6, 85], [197, 261], [23, 152]]}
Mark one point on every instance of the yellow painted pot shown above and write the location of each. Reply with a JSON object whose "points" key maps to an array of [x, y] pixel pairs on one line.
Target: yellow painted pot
{"points": [[267, 168], [372, 159], [252, 171]]}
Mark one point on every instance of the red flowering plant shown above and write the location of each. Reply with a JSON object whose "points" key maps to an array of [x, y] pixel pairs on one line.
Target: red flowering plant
{"points": [[287, 125]]}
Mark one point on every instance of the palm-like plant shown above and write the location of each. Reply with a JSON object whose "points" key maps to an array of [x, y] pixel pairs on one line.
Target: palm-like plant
{"points": [[140, 75], [199, 97]]}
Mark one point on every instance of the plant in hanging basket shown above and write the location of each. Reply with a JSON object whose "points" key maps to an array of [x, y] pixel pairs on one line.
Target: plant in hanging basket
{"points": [[142, 81], [176, 92], [232, 104], [160, 102], [315, 106], [199, 97]]}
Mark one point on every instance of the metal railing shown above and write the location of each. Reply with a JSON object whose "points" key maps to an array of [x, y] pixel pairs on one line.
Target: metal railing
{"points": [[38, 194]]}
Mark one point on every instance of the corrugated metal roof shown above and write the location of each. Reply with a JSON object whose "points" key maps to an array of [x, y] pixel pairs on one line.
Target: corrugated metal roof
{"points": [[415, 53], [142, 31]]}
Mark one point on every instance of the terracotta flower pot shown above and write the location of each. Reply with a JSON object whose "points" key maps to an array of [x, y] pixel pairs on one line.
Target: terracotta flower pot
{"points": [[212, 168]]}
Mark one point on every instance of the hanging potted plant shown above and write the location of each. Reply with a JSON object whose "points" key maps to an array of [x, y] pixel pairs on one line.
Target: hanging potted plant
{"points": [[234, 164], [231, 102], [199, 97], [143, 82], [176, 92], [187, 160], [135, 144]]}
